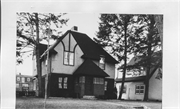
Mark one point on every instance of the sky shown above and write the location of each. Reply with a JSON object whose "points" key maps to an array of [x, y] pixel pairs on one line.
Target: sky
{"points": [[86, 22]]}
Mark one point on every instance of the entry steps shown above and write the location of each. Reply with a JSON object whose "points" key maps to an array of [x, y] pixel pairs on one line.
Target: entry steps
{"points": [[89, 97]]}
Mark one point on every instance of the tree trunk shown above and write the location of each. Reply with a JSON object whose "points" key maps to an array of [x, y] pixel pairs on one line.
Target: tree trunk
{"points": [[148, 71], [125, 58], [38, 57]]}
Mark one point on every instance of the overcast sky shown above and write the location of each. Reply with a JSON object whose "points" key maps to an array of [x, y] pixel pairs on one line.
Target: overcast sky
{"points": [[86, 22]]}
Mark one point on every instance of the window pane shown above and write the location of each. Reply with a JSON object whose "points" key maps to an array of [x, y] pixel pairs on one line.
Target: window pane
{"points": [[60, 79], [82, 79], [66, 60], [71, 58], [28, 79], [23, 80], [18, 78], [102, 60], [142, 87], [17, 85], [141, 91], [65, 80], [65, 86], [60, 85]]}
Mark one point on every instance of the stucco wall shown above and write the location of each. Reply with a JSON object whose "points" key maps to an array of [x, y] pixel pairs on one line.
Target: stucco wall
{"points": [[130, 91], [155, 87], [57, 60]]}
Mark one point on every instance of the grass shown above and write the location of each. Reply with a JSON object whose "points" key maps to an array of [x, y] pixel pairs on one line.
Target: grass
{"points": [[65, 103]]}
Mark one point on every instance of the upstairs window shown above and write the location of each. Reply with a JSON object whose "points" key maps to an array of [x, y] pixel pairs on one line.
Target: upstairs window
{"points": [[68, 58], [18, 78], [139, 89], [102, 62], [23, 80], [28, 79]]}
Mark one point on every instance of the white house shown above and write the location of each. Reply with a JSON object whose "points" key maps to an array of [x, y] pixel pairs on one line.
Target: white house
{"points": [[134, 87]]}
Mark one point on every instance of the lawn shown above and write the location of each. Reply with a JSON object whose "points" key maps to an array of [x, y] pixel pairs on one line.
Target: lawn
{"points": [[66, 103]]}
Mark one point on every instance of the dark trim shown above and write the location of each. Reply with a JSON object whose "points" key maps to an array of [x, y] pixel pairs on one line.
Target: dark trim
{"points": [[63, 44], [75, 48], [69, 42]]}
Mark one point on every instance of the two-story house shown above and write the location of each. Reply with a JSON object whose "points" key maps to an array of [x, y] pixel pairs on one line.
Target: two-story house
{"points": [[24, 83], [78, 66]]}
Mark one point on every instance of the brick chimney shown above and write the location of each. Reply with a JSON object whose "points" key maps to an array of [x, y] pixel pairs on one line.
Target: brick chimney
{"points": [[74, 28]]}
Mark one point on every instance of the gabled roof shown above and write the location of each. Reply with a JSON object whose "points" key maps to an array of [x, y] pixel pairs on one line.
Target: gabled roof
{"points": [[43, 48], [132, 79], [88, 67], [90, 49]]}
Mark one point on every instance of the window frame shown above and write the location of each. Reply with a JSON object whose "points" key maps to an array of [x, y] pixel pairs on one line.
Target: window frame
{"points": [[98, 80], [63, 82], [105, 85], [103, 64], [18, 79], [68, 58], [138, 89]]}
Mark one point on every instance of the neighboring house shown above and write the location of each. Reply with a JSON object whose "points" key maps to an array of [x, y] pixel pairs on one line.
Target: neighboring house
{"points": [[78, 67], [134, 87], [24, 83]]}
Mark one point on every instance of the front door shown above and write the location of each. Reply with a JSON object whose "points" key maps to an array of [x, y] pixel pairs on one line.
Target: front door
{"points": [[88, 85]]}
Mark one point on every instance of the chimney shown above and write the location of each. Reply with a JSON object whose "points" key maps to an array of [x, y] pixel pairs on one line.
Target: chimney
{"points": [[74, 28]]}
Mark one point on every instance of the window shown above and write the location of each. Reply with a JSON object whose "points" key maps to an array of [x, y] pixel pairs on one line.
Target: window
{"points": [[18, 78], [82, 79], [68, 58], [23, 80], [98, 81], [28, 79], [139, 89], [102, 62], [60, 83], [17, 85], [65, 83], [105, 85]]}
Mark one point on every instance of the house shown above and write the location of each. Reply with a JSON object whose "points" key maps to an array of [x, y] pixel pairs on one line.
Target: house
{"points": [[134, 87], [78, 67], [24, 83]]}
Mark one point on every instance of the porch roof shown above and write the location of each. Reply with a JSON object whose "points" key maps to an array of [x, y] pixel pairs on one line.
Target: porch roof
{"points": [[132, 79], [88, 67]]}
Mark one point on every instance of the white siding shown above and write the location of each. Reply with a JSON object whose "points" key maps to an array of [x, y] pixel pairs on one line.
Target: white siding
{"points": [[155, 87], [130, 91]]}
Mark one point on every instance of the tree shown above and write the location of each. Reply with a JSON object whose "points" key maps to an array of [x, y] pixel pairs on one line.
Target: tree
{"points": [[31, 31], [114, 32], [124, 35], [147, 43]]}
